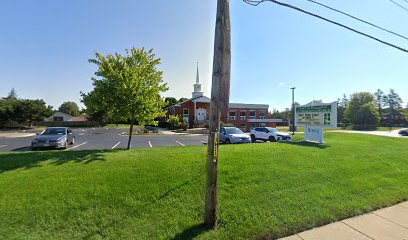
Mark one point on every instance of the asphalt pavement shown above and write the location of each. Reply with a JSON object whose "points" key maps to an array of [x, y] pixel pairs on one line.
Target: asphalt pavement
{"points": [[103, 138]]}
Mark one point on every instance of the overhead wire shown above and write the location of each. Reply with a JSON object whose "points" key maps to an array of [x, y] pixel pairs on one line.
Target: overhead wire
{"points": [[257, 2], [359, 19], [400, 5]]}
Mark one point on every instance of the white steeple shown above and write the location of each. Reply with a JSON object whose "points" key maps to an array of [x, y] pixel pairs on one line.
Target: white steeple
{"points": [[197, 86]]}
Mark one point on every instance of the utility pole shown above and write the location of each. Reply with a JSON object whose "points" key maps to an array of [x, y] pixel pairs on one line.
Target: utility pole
{"points": [[219, 103], [293, 110]]}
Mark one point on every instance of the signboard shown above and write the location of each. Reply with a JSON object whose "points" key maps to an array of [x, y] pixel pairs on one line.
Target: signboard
{"points": [[317, 115], [314, 134]]}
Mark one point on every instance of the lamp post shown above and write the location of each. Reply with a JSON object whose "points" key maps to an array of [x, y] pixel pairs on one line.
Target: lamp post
{"points": [[293, 110]]}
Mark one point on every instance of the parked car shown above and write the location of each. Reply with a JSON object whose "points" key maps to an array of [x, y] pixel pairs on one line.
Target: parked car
{"points": [[269, 134], [53, 137], [233, 135], [403, 132]]}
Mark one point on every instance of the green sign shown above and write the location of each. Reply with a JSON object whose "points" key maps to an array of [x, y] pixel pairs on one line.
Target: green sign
{"points": [[315, 109]]}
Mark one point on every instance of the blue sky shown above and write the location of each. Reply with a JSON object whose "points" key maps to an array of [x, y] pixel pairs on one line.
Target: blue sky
{"points": [[45, 45]]}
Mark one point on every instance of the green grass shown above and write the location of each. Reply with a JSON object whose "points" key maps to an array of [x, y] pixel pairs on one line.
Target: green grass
{"points": [[265, 190]]}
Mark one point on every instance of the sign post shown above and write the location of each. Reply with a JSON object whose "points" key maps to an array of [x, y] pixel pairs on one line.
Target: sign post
{"points": [[314, 118]]}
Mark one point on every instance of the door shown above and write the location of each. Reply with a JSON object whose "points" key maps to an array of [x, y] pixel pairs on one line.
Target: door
{"points": [[201, 114]]}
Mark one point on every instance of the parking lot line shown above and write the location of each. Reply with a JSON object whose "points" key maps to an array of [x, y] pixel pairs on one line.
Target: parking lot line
{"points": [[116, 145], [150, 144], [76, 146], [180, 143], [3, 146]]}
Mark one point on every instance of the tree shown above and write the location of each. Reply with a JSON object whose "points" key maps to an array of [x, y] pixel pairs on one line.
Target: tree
{"points": [[359, 111], [341, 109], [12, 94], [29, 111], [70, 108], [367, 115], [128, 87], [394, 103], [182, 99], [170, 101], [379, 100]]}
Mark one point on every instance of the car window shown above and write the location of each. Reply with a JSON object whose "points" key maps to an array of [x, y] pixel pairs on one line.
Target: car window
{"points": [[223, 130], [54, 131], [234, 131]]}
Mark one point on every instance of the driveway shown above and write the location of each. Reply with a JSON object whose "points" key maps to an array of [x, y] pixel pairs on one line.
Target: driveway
{"points": [[392, 133]]}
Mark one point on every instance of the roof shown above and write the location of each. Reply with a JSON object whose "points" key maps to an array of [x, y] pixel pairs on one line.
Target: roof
{"points": [[251, 106], [196, 99], [78, 119]]}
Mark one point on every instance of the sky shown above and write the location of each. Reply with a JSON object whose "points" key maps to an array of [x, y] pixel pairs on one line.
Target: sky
{"points": [[45, 47]]}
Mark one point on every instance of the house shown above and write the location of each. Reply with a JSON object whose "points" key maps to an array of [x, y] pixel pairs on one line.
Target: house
{"points": [[63, 117], [195, 111]]}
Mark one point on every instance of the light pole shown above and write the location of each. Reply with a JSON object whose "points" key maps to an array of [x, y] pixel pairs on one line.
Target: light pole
{"points": [[293, 110]]}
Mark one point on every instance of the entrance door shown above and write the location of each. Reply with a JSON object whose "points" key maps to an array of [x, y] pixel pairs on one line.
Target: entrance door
{"points": [[201, 114]]}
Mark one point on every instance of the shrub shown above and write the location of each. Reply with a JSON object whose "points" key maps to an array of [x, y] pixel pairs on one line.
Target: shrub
{"points": [[174, 122]]}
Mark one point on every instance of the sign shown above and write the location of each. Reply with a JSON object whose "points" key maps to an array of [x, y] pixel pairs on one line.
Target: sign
{"points": [[314, 134], [317, 115]]}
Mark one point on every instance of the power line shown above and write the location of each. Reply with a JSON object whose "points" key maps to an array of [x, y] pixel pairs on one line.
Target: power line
{"points": [[359, 19], [256, 3], [399, 5]]}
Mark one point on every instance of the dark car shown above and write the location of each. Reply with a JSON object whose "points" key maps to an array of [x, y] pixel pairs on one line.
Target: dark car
{"points": [[403, 132], [53, 137]]}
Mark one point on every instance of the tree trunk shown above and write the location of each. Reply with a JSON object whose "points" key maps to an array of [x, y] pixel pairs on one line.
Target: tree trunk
{"points": [[130, 132]]}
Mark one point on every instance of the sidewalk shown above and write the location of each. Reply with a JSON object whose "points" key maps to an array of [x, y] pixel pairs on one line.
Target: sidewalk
{"points": [[385, 224]]}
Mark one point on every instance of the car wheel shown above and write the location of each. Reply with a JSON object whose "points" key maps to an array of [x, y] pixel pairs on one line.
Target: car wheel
{"points": [[253, 139], [65, 145], [272, 139], [227, 141], [72, 142], [404, 134]]}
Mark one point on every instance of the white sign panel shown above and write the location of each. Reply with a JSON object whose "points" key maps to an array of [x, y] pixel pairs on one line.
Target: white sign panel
{"points": [[317, 115], [314, 134]]}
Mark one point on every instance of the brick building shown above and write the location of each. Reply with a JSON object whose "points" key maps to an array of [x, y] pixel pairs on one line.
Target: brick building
{"points": [[195, 111]]}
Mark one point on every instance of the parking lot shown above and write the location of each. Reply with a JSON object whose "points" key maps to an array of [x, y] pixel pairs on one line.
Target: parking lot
{"points": [[103, 138]]}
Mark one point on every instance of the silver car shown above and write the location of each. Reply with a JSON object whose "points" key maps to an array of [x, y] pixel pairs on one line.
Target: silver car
{"points": [[53, 137], [233, 135]]}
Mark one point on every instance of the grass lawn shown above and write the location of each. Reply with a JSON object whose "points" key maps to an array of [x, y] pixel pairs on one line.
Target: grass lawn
{"points": [[266, 190]]}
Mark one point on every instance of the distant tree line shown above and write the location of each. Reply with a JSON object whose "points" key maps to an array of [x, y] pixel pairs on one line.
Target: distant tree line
{"points": [[15, 111], [364, 109]]}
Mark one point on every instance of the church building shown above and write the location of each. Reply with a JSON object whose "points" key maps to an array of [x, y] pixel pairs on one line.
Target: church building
{"points": [[195, 111]]}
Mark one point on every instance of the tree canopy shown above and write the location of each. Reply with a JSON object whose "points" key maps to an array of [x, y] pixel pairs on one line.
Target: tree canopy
{"points": [[127, 87], [70, 108], [361, 109]]}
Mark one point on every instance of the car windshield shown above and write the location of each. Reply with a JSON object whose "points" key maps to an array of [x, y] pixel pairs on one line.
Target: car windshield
{"points": [[274, 130], [234, 131], [54, 131]]}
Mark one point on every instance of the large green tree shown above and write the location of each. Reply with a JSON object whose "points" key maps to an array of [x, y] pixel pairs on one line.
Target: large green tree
{"points": [[393, 102], [70, 108], [29, 111], [128, 87], [361, 109]]}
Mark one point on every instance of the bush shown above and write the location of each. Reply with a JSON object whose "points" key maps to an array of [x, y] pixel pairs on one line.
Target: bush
{"points": [[174, 122], [184, 126]]}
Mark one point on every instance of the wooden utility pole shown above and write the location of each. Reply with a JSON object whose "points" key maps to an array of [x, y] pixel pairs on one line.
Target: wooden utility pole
{"points": [[219, 103]]}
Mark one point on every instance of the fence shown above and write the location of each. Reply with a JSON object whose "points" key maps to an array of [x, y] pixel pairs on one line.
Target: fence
{"points": [[68, 124]]}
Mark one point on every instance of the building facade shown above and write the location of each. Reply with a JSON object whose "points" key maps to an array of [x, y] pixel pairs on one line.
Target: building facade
{"points": [[195, 111]]}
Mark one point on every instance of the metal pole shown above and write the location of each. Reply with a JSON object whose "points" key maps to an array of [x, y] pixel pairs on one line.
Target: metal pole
{"points": [[219, 101], [293, 111]]}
